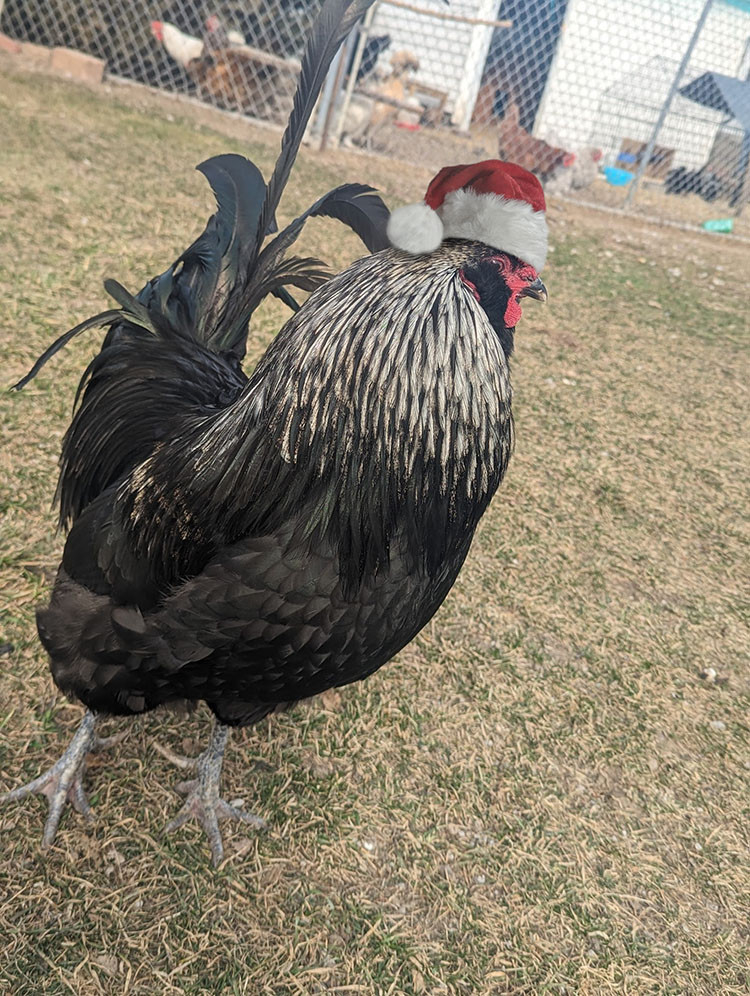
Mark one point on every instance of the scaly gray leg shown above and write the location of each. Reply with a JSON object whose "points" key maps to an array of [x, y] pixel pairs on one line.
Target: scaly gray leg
{"points": [[63, 782], [203, 802]]}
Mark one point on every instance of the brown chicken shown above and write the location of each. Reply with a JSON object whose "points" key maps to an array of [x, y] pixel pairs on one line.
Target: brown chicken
{"points": [[534, 154]]}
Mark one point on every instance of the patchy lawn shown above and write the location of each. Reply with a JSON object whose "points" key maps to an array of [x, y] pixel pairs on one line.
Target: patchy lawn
{"points": [[548, 791]]}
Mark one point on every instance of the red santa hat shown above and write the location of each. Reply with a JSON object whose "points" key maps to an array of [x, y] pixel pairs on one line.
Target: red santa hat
{"points": [[500, 204]]}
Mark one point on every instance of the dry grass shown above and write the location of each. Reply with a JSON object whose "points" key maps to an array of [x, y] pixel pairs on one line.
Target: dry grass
{"points": [[542, 795]]}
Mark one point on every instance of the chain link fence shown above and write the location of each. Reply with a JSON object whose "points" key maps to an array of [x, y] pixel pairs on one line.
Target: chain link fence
{"points": [[242, 57], [643, 105]]}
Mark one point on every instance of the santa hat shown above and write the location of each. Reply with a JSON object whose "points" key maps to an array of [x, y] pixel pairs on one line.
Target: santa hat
{"points": [[500, 204]]}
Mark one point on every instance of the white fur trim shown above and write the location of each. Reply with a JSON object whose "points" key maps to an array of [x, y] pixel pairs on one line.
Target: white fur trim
{"points": [[415, 228], [509, 225]]}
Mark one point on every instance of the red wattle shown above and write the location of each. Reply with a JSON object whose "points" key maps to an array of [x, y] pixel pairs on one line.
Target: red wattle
{"points": [[512, 312]]}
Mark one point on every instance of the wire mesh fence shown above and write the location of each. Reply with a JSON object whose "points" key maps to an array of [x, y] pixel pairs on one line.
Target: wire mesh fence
{"points": [[644, 105], [239, 57]]}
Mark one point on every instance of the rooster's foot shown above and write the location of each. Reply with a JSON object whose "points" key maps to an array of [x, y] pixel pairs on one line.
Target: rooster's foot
{"points": [[63, 782], [179, 760], [203, 802]]}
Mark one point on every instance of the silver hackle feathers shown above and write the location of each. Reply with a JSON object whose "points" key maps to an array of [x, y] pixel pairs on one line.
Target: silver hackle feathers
{"points": [[400, 413]]}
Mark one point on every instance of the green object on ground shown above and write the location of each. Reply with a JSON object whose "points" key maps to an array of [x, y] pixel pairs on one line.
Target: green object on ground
{"points": [[719, 225]]}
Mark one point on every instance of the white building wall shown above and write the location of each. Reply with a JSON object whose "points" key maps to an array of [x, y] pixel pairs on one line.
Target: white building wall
{"points": [[603, 42], [451, 54]]}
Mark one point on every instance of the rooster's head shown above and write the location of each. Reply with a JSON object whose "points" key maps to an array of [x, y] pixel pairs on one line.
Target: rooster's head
{"points": [[498, 281], [497, 210]]}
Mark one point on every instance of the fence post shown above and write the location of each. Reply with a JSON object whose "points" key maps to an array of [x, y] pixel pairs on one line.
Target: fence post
{"points": [[364, 34], [324, 100], [646, 158], [338, 68]]}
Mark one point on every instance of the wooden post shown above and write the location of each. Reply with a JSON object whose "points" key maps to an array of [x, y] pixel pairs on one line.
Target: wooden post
{"points": [[342, 57], [364, 33], [447, 16]]}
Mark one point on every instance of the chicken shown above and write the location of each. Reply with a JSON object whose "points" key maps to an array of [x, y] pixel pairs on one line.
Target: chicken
{"points": [[227, 72], [366, 116], [253, 542], [182, 47], [579, 176], [704, 182], [534, 154], [218, 37], [373, 49], [585, 168], [185, 48]]}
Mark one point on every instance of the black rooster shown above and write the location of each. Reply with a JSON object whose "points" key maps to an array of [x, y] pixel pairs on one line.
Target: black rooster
{"points": [[250, 543], [703, 182]]}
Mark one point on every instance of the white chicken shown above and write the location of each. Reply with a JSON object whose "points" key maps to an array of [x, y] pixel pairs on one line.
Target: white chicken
{"points": [[185, 48]]}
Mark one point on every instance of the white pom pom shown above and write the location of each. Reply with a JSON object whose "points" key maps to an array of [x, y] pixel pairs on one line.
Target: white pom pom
{"points": [[415, 228]]}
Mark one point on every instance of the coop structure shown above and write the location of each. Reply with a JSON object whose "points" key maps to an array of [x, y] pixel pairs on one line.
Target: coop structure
{"points": [[611, 72]]}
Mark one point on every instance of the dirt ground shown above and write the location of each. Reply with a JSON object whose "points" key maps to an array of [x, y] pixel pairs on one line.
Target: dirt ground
{"points": [[547, 791]]}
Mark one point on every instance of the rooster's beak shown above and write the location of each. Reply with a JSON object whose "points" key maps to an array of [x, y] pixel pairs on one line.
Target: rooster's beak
{"points": [[535, 289]]}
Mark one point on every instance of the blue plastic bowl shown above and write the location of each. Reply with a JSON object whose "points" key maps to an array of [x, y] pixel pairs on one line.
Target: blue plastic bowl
{"points": [[617, 177]]}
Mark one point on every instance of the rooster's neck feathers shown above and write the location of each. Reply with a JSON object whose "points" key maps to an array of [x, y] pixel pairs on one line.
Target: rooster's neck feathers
{"points": [[408, 372]]}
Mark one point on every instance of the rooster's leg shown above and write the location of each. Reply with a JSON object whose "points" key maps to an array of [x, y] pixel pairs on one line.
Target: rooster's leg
{"points": [[203, 802], [63, 782]]}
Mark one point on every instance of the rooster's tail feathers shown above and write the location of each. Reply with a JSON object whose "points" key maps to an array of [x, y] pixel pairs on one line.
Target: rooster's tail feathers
{"points": [[210, 292]]}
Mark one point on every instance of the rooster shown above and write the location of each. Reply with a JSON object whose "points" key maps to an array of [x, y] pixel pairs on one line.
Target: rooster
{"points": [[186, 49], [253, 542]]}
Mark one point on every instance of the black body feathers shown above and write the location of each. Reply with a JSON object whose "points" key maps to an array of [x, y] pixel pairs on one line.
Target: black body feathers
{"points": [[298, 537]]}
